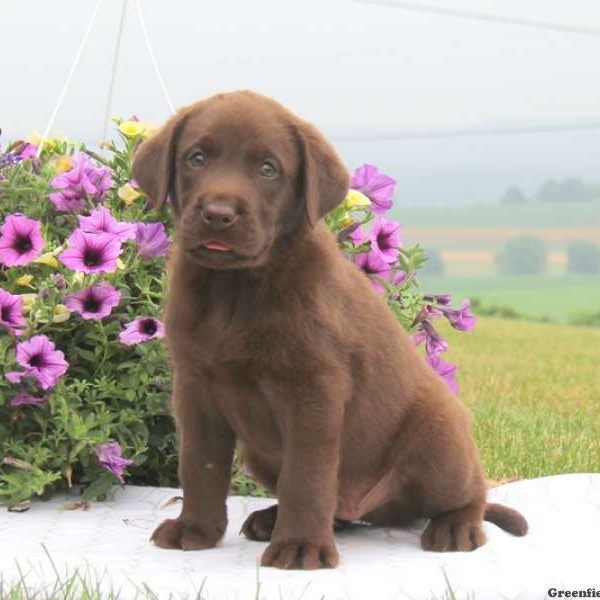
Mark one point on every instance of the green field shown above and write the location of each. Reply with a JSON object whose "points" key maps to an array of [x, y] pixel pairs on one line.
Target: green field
{"points": [[557, 298], [534, 392]]}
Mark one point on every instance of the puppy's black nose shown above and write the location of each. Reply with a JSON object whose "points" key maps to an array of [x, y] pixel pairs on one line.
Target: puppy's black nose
{"points": [[218, 215]]}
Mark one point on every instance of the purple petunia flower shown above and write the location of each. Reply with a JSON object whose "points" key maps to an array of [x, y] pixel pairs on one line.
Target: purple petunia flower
{"points": [[41, 361], [141, 330], [462, 319], [399, 278], [385, 239], [446, 370], [377, 186], [23, 399], [419, 337], [81, 181], [67, 201], [11, 311], [109, 456], [433, 312], [152, 239], [91, 252], [29, 151], [444, 299], [20, 240], [434, 342], [95, 302], [102, 221], [372, 264], [358, 236]]}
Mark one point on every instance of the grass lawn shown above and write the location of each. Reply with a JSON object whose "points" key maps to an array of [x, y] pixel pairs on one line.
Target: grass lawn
{"points": [[556, 297], [534, 392]]}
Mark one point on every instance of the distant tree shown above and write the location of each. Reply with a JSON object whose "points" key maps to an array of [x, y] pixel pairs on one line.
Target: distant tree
{"points": [[569, 190], [513, 195], [574, 190], [435, 266], [549, 191], [523, 255], [583, 257], [594, 191]]}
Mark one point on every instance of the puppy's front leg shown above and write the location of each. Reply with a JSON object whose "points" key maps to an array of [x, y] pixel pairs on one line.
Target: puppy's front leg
{"points": [[307, 485], [206, 453]]}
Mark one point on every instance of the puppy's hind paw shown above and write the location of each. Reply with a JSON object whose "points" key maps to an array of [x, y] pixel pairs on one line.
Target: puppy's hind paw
{"points": [[260, 524], [442, 535]]}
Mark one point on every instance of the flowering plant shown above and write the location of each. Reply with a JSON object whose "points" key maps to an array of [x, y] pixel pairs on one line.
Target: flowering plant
{"points": [[84, 381]]}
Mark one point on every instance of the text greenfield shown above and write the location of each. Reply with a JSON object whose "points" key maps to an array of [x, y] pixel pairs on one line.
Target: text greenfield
{"points": [[589, 593]]}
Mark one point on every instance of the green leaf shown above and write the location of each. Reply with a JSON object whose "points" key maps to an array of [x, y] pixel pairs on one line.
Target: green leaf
{"points": [[100, 486]]}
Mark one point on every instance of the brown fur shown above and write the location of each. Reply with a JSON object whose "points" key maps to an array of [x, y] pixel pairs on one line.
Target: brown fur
{"points": [[283, 346]]}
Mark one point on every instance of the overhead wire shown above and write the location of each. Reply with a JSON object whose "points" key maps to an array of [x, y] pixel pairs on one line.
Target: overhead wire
{"points": [[406, 134], [482, 16]]}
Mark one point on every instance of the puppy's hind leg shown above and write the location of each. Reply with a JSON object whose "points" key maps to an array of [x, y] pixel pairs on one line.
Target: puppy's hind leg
{"points": [[260, 523]]}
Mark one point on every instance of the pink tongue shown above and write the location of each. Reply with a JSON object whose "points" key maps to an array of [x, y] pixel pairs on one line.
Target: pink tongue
{"points": [[216, 246]]}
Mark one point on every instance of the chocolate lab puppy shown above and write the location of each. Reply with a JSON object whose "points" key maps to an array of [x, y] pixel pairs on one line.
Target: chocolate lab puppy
{"points": [[281, 344]]}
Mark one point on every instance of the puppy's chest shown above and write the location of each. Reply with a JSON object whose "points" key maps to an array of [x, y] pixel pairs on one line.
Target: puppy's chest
{"points": [[232, 333]]}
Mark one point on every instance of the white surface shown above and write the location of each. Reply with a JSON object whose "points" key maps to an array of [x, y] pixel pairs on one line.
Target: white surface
{"points": [[561, 550]]}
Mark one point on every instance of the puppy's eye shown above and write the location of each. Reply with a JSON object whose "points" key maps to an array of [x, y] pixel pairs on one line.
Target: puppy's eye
{"points": [[197, 159], [268, 169]]}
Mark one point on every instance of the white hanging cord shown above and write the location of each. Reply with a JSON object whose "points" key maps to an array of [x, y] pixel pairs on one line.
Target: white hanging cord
{"points": [[479, 16], [152, 57], [113, 72], [63, 92]]}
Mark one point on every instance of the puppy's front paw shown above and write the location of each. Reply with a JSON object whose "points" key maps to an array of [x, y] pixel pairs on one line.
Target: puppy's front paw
{"points": [[180, 534], [300, 554]]}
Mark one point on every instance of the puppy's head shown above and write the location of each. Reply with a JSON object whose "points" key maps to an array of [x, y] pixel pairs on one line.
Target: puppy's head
{"points": [[243, 175]]}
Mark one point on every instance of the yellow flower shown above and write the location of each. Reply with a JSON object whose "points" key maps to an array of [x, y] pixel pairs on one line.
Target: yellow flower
{"points": [[131, 128], [120, 264], [59, 136], [60, 313], [35, 138], [346, 221], [47, 259], [62, 164], [25, 281], [78, 277], [28, 301], [128, 194], [356, 199]]}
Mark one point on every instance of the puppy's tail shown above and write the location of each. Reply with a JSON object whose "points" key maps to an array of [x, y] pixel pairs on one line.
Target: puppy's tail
{"points": [[507, 518]]}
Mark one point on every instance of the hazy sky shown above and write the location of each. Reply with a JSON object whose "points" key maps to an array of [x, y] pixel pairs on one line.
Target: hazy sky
{"points": [[351, 68]]}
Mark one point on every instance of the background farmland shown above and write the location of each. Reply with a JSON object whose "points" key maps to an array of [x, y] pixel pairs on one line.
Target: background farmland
{"points": [[469, 238]]}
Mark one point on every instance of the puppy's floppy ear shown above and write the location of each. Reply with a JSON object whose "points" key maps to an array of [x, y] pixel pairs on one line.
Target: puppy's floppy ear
{"points": [[324, 178], [154, 162]]}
